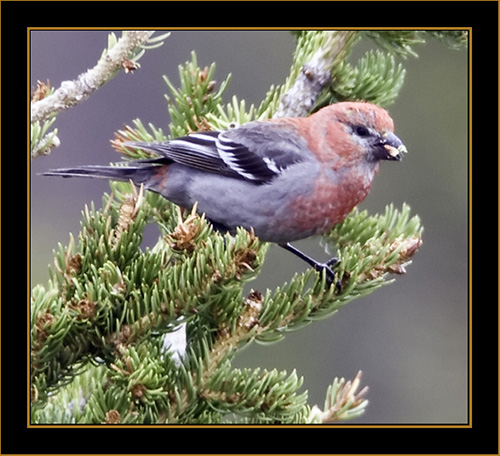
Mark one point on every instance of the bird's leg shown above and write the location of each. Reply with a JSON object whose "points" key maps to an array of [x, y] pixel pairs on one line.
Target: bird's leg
{"points": [[327, 267]]}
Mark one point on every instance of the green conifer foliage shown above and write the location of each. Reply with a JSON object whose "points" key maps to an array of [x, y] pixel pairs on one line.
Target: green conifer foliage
{"points": [[103, 327]]}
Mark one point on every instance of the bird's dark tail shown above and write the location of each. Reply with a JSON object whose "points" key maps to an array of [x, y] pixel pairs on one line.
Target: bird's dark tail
{"points": [[137, 172]]}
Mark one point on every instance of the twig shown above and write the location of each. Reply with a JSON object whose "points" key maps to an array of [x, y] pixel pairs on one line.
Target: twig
{"points": [[71, 93], [342, 402]]}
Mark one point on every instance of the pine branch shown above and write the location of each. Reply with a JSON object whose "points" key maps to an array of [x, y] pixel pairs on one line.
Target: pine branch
{"points": [[70, 331], [317, 61], [73, 92], [317, 55], [42, 141], [376, 78], [342, 402], [121, 54], [453, 39], [266, 396], [195, 99], [102, 328], [398, 42]]}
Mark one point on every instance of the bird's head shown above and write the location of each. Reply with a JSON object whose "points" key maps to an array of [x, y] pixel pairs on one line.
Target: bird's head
{"points": [[359, 131]]}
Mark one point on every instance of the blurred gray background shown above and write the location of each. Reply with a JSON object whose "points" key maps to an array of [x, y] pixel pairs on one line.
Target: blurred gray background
{"points": [[410, 338]]}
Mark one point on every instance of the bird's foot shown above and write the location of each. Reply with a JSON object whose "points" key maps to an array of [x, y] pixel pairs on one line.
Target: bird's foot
{"points": [[320, 267], [329, 272]]}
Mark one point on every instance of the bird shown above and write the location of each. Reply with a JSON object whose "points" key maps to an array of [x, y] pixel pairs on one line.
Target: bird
{"points": [[284, 178]]}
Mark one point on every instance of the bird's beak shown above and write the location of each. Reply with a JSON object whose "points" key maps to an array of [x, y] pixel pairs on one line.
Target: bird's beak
{"points": [[394, 147]]}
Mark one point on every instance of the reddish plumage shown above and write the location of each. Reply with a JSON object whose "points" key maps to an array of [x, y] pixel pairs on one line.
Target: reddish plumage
{"points": [[287, 178]]}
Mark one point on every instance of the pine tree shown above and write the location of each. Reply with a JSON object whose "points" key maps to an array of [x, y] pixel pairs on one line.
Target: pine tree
{"points": [[122, 334]]}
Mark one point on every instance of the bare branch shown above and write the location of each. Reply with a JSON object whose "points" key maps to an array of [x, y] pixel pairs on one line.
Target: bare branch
{"points": [[315, 75], [71, 93]]}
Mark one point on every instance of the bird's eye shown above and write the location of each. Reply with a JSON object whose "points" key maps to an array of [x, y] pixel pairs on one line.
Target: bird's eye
{"points": [[361, 131]]}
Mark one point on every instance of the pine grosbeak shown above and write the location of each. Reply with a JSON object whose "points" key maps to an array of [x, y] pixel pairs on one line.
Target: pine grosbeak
{"points": [[287, 178]]}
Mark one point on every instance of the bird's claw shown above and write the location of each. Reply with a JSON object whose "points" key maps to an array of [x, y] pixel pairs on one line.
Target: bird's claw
{"points": [[329, 273], [319, 267], [332, 262]]}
